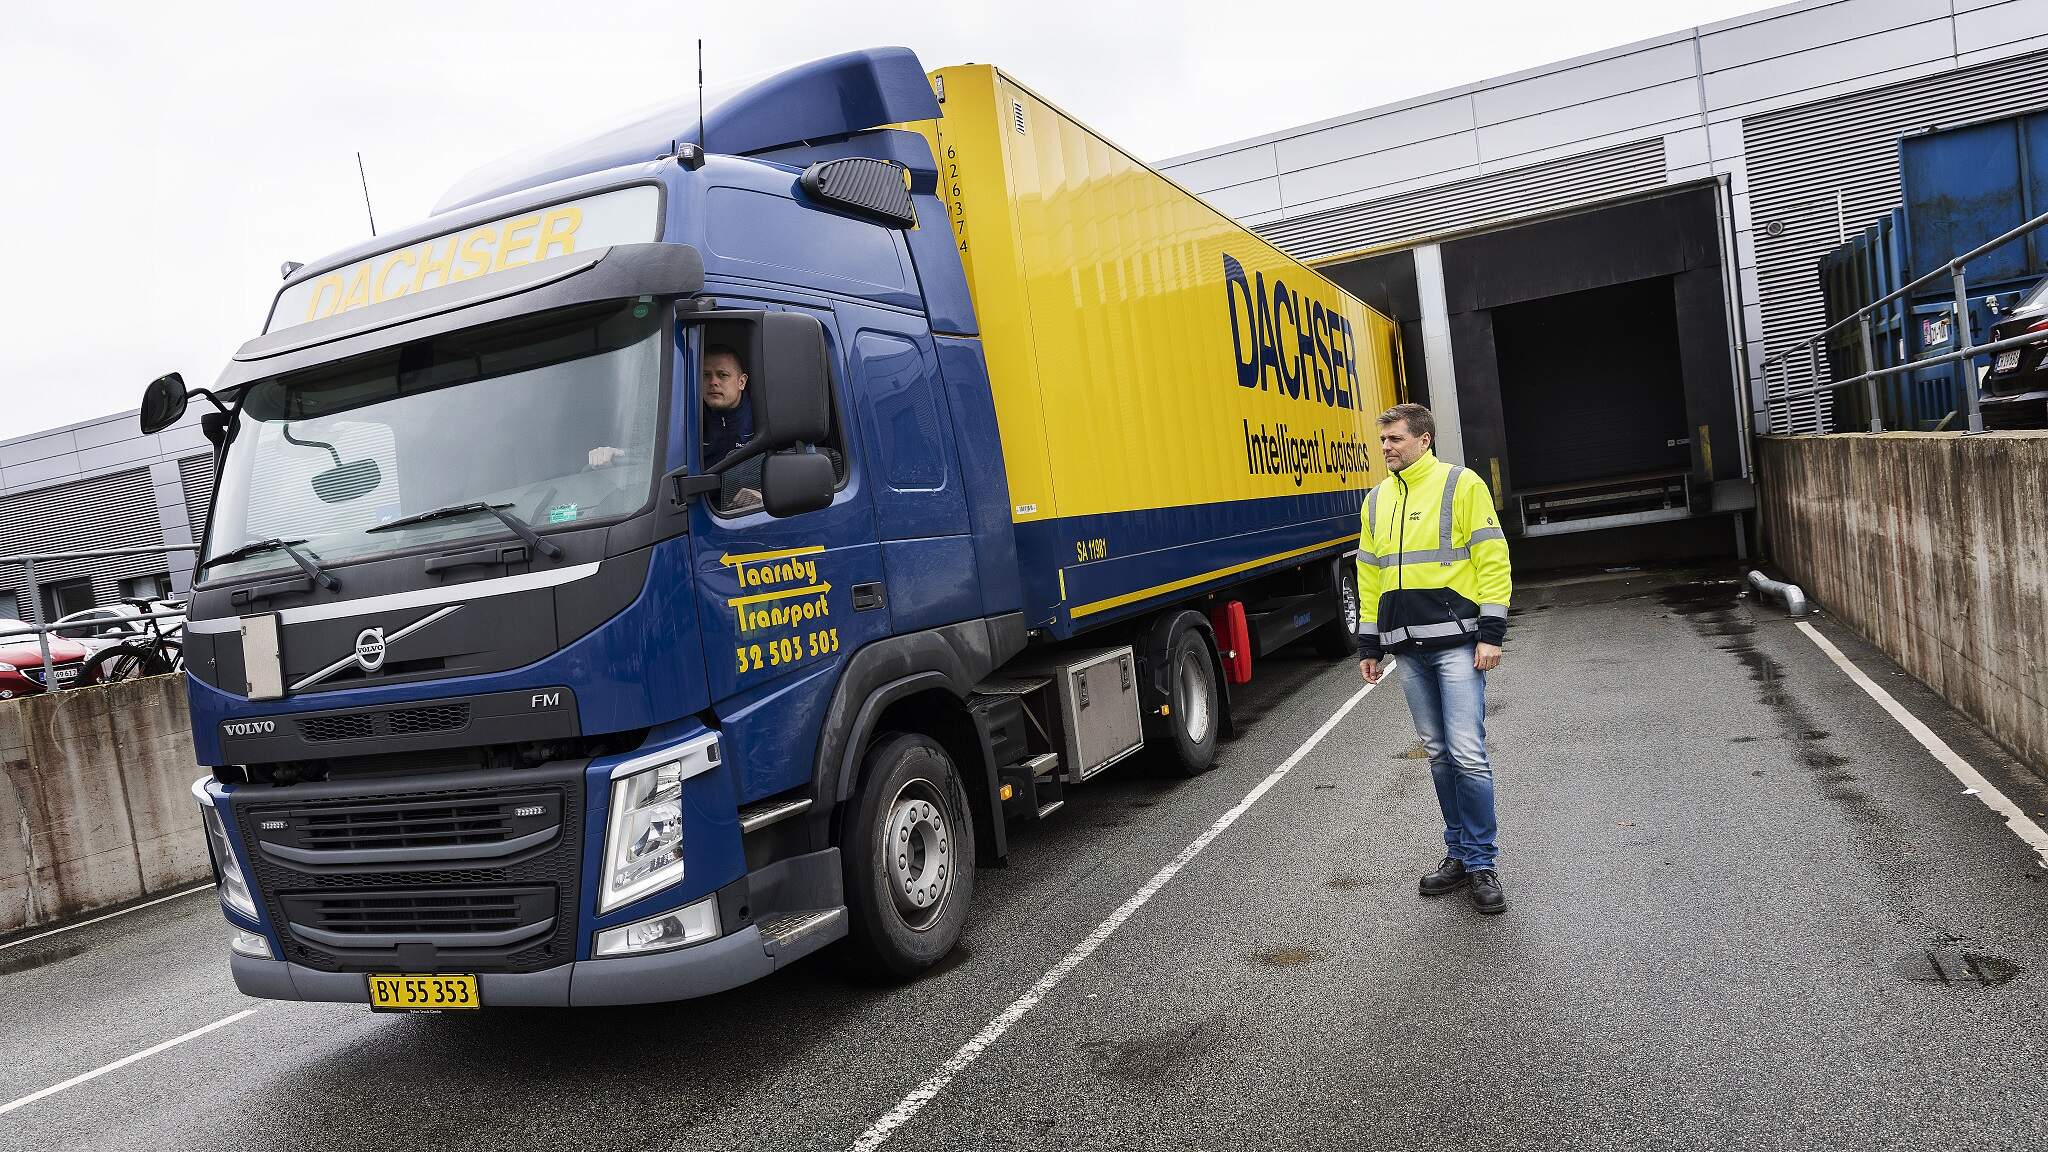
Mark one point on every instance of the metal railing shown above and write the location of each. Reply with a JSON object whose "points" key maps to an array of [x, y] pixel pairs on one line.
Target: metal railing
{"points": [[41, 630], [1965, 354]]}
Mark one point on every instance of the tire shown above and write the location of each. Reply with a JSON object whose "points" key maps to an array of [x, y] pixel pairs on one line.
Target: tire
{"points": [[123, 662], [907, 843], [1196, 715], [1339, 636]]}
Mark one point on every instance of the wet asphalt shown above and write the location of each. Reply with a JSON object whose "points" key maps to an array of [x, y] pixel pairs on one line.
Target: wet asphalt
{"points": [[1747, 911]]}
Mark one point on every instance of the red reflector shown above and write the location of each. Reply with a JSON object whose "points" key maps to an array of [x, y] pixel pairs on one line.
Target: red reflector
{"points": [[1234, 639]]}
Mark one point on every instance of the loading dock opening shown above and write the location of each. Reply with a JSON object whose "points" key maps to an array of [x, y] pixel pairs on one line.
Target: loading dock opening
{"points": [[1593, 401], [1596, 383]]}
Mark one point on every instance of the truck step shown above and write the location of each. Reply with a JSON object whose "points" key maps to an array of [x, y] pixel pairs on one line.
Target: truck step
{"points": [[765, 812], [1051, 808], [1044, 764], [801, 933]]}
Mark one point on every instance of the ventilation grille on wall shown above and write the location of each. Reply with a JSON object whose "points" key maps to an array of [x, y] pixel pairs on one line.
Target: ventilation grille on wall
{"points": [[1473, 202]]}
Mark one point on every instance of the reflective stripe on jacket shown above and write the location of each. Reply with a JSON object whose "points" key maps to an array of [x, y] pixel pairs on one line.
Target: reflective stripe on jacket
{"points": [[1432, 562]]}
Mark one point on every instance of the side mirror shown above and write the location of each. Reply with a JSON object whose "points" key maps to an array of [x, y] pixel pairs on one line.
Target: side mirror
{"points": [[163, 402], [790, 385], [793, 483]]}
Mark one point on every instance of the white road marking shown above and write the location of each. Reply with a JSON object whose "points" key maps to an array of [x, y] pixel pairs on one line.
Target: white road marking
{"points": [[123, 1062], [971, 1051], [1974, 784], [207, 887]]}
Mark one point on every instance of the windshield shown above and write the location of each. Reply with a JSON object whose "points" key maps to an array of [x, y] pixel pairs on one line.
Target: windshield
{"points": [[2033, 298], [552, 418]]}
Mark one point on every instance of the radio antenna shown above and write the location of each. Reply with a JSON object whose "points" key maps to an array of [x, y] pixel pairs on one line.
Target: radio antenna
{"points": [[364, 177], [700, 94]]}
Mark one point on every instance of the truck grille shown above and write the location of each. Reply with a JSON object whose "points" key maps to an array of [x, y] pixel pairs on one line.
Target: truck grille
{"points": [[450, 918], [397, 722], [457, 827], [432, 878], [483, 821]]}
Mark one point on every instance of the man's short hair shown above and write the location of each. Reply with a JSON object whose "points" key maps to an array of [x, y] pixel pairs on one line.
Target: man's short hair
{"points": [[726, 350], [1420, 421]]}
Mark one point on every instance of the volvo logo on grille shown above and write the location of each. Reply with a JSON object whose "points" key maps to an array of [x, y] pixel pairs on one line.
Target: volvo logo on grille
{"points": [[249, 727], [370, 649]]}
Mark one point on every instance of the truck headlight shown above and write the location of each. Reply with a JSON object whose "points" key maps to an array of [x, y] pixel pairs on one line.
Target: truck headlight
{"points": [[671, 929], [234, 888], [643, 845]]}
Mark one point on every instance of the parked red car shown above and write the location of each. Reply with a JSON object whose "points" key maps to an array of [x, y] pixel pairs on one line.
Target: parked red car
{"points": [[21, 661]]}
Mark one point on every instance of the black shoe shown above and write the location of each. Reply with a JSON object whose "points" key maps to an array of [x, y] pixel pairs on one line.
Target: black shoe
{"points": [[1486, 893], [1448, 877]]}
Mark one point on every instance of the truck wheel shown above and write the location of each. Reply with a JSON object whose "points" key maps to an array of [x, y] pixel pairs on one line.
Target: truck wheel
{"points": [[908, 846], [1339, 636], [1196, 711]]}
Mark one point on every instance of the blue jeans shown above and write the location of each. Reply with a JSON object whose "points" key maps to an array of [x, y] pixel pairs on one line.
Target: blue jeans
{"points": [[1447, 696]]}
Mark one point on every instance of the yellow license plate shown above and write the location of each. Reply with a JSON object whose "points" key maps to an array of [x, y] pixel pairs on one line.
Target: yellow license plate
{"points": [[423, 993]]}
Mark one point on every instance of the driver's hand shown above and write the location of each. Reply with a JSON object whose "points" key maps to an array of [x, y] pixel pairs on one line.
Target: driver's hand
{"points": [[745, 497], [599, 457]]}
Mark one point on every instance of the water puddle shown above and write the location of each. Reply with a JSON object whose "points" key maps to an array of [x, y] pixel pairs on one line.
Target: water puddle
{"points": [[1286, 957], [1953, 967]]}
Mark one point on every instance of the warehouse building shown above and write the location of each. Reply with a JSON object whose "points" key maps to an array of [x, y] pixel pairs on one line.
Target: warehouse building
{"points": [[101, 484], [1592, 260]]}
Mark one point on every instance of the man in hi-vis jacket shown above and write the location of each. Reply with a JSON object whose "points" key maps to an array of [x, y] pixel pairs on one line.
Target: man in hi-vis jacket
{"points": [[1433, 586]]}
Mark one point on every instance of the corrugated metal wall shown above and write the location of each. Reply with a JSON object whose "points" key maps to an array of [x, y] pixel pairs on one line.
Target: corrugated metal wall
{"points": [[113, 511], [1474, 202], [1799, 158], [195, 475]]}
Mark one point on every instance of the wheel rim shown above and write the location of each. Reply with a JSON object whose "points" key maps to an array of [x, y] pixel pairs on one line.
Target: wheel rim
{"points": [[918, 847], [1350, 598], [1192, 688]]}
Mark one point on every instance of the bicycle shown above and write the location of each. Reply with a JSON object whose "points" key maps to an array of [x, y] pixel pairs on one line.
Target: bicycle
{"points": [[156, 653]]}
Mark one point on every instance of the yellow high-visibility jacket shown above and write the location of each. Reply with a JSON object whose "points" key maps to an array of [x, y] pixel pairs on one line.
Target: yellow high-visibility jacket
{"points": [[1432, 562]]}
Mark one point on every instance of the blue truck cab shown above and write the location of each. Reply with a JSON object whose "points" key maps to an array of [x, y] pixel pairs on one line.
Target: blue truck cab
{"points": [[513, 697]]}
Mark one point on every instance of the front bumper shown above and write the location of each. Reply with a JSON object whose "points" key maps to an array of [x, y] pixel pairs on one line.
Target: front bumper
{"points": [[698, 970]]}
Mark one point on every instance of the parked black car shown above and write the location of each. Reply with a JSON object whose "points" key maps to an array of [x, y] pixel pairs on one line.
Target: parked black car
{"points": [[2016, 389]]}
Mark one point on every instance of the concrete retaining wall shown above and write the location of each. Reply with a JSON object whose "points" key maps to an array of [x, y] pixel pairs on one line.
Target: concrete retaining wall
{"points": [[96, 806], [1935, 547]]}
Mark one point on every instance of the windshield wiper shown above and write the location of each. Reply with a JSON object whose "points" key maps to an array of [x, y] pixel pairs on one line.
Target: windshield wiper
{"points": [[275, 544], [520, 527]]}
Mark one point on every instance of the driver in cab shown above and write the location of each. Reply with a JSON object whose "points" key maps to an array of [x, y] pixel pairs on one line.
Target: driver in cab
{"points": [[728, 423]]}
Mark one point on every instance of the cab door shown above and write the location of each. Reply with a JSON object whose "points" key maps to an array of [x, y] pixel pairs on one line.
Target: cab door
{"points": [[782, 603], [914, 470]]}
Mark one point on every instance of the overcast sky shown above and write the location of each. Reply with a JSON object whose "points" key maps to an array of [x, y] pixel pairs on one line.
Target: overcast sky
{"points": [[162, 160]]}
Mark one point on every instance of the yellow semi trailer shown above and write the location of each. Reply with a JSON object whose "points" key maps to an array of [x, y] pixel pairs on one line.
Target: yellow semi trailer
{"points": [[1180, 402]]}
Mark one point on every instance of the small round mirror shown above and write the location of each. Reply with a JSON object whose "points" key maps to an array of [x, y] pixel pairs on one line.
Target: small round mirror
{"points": [[163, 402]]}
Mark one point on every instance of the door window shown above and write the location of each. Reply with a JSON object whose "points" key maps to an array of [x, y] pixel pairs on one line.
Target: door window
{"points": [[909, 454], [725, 422]]}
